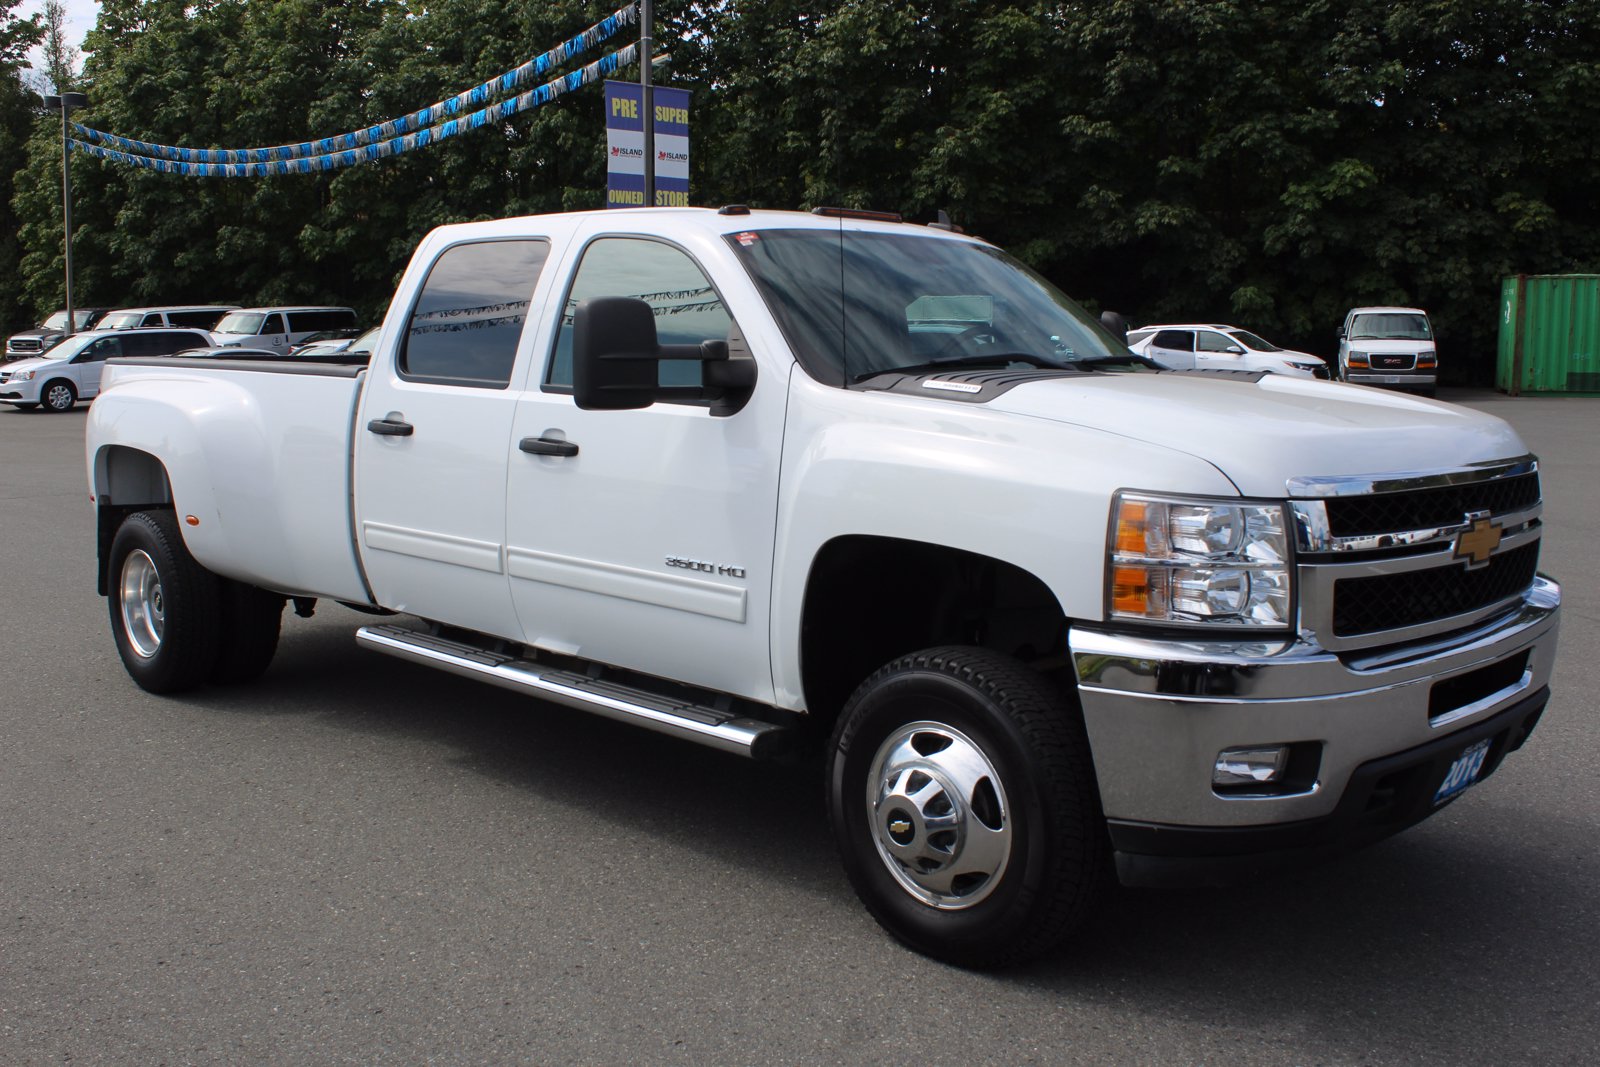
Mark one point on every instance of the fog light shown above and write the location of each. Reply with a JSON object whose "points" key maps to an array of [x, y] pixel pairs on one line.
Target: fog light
{"points": [[1250, 766]]}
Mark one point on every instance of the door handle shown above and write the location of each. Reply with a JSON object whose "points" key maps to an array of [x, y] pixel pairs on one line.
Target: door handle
{"points": [[390, 428], [548, 446]]}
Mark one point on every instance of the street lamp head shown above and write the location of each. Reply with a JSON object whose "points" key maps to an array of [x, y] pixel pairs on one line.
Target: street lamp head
{"points": [[65, 102]]}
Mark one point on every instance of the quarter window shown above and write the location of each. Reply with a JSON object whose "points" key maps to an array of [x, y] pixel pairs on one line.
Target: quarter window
{"points": [[466, 323], [687, 308]]}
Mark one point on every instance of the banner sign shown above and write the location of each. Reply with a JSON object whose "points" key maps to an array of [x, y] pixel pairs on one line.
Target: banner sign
{"points": [[625, 145]]}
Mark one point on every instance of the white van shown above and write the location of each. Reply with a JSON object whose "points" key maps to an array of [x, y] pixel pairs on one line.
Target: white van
{"points": [[193, 317], [276, 328], [71, 370], [1389, 346]]}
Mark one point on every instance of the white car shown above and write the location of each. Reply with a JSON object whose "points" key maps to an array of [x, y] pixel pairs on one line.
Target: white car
{"points": [[70, 371], [1212, 346]]}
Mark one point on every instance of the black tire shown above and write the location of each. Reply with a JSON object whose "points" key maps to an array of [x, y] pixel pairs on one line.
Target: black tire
{"points": [[165, 607], [1052, 832], [57, 395], [251, 620]]}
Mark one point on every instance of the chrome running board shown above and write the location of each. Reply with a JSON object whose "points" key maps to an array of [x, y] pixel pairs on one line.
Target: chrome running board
{"points": [[692, 722]]}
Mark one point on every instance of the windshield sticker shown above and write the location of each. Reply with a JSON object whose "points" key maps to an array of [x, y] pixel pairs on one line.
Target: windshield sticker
{"points": [[746, 238]]}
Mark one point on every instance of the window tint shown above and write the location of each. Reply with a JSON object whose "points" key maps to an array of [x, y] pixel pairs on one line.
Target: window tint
{"points": [[1178, 340], [687, 309], [318, 321], [201, 319], [1211, 341], [467, 321], [274, 324], [1135, 336], [105, 348]]}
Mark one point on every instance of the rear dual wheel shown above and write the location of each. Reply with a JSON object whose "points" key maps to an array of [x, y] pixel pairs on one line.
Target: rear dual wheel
{"points": [[176, 624], [964, 806]]}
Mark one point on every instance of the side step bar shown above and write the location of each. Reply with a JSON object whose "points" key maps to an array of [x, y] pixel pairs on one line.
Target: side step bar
{"points": [[692, 722]]}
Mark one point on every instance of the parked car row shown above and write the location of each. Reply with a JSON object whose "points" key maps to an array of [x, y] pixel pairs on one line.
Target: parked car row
{"points": [[1377, 346], [68, 369], [270, 328]]}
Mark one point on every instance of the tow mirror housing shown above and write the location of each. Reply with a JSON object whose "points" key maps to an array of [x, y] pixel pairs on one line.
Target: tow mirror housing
{"points": [[616, 360]]}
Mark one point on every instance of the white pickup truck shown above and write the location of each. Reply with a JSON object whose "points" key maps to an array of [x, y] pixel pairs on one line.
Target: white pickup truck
{"points": [[751, 478]]}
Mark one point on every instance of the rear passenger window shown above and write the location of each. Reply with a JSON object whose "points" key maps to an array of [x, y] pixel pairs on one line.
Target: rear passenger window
{"points": [[203, 320], [319, 321], [468, 319], [1176, 340]]}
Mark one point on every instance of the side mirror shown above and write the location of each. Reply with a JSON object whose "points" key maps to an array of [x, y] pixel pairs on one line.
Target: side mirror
{"points": [[614, 354], [1339, 332], [1116, 324], [616, 359], [1234, 350]]}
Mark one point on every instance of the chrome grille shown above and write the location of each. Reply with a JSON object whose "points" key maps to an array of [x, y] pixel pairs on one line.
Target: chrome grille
{"points": [[1391, 558]]}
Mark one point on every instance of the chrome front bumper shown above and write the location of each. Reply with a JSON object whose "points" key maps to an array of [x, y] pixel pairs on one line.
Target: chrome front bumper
{"points": [[1159, 711]]}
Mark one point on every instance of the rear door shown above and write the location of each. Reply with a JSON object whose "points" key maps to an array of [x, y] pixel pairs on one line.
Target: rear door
{"points": [[434, 433], [1173, 349]]}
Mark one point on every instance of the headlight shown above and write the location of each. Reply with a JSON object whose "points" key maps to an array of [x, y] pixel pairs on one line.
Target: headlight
{"points": [[1358, 359], [1220, 563], [1313, 367], [22, 376]]}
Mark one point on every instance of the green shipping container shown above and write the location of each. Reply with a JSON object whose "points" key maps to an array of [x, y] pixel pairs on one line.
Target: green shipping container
{"points": [[1549, 334]]}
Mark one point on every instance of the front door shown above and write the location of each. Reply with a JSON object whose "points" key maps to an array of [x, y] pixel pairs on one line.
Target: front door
{"points": [[651, 545], [433, 437], [88, 365]]}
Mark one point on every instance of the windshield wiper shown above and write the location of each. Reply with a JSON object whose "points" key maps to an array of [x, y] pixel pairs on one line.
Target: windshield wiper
{"points": [[981, 360]]}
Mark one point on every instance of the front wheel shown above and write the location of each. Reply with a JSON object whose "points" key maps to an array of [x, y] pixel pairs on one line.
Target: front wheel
{"points": [[58, 395], [165, 607], [964, 806]]}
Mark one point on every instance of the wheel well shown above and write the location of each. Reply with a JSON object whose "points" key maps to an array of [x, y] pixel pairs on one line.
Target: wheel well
{"points": [[871, 599], [126, 480]]}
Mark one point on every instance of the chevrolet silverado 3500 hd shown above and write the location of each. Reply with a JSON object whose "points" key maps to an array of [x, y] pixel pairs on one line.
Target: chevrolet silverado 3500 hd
{"points": [[748, 477]]}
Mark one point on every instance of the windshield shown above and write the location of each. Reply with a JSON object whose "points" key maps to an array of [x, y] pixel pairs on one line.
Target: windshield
{"points": [[241, 322], [1391, 326], [71, 346], [1250, 340], [122, 320], [853, 304], [58, 321]]}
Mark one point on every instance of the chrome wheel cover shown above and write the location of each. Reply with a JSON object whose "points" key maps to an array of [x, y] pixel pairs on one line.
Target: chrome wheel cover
{"points": [[144, 616], [939, 815], [58, 398]]}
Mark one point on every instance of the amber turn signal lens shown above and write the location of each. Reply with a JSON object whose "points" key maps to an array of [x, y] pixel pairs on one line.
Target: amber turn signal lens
{"points": [[1130, 590], [1133, 519]]}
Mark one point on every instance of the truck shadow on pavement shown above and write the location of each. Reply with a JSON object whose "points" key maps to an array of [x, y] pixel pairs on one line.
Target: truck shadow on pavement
{"points": [[1426, 946]]}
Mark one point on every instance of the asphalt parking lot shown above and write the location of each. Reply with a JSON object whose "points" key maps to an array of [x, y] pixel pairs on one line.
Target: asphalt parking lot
{"points": [[358, 860]]}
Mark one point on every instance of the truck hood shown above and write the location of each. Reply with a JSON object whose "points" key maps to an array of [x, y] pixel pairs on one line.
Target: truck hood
{"points": [[1261, 434]]}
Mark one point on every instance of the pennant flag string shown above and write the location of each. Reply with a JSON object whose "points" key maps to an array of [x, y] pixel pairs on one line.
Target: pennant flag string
{"points": [[384, 149], [385, 132]]}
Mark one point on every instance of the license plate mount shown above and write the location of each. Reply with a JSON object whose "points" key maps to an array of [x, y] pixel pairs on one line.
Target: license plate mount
{"points": [[1463, 771]]}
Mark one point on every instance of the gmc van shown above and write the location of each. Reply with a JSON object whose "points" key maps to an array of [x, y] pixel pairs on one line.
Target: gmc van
{"points": [[276, 328]]}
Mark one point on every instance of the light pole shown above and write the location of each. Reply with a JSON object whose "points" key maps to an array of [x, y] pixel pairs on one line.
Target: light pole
{"points": [[66, 103], [647, 47]]}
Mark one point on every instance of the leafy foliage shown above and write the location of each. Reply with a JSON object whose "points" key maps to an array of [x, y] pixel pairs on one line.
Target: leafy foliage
{"points": [[1256, 161]]}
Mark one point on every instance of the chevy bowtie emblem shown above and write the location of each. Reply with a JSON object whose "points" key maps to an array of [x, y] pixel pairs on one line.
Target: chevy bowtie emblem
{"points": [[1477, 542], [900, 826]]}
